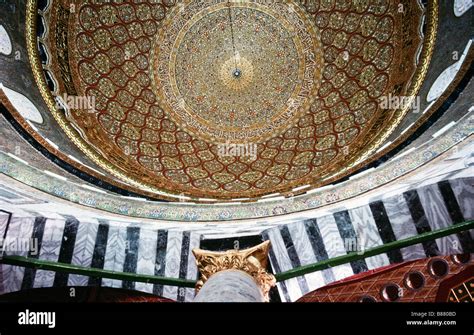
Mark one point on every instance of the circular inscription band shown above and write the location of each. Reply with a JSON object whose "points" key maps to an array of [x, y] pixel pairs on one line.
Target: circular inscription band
{"points": [[236, 71]]}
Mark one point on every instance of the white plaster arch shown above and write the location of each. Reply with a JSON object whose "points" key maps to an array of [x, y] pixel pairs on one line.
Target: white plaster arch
{"points": [[5, 42], [446, 77], [23, 105], [462, 6]]}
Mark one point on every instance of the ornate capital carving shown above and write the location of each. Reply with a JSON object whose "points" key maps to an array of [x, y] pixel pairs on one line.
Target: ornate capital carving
{"points": [[253, 261]]}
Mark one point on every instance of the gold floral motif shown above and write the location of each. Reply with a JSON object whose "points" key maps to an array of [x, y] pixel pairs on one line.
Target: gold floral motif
{"points": [[246, 74], [253, 261], [193, 74]]}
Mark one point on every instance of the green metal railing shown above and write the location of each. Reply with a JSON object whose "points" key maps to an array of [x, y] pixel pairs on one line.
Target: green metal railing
{"points": [[92, 272], [354, 256], [344, 259]]}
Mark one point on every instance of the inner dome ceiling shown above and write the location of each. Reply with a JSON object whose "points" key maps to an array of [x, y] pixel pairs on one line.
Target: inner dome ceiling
{"points": [[311, 75]]}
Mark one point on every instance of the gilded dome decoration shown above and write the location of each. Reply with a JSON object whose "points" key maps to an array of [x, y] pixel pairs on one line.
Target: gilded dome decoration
{"points": [[237, 71], [299, 83]]}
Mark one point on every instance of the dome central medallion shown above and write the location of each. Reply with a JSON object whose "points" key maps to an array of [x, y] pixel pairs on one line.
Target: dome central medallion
{"points": [[236, 71]]}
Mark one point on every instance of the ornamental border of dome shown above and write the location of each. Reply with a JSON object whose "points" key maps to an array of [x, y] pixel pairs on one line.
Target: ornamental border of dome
{"points": [[61, 190], [138, 186]]}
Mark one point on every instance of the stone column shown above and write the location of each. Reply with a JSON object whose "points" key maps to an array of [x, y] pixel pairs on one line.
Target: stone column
{"points": [[230, 286], [234, 275]]}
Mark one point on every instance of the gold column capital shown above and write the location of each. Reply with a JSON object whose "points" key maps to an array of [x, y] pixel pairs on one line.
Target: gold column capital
{"points": [[253, 261]]}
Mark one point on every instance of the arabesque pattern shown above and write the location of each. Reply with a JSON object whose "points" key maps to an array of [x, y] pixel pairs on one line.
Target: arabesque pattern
{"points": [[368, 51]]}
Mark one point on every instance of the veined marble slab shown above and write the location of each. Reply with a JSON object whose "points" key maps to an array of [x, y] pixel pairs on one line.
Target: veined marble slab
{"points": [[173, 258], [146, 258], [50, 247], [334, 245], [12, 276], [368, 235], [438, 218], [284, 263], [4, 217], [306, 255], [192, 271], [83, 251], [115, 254]]}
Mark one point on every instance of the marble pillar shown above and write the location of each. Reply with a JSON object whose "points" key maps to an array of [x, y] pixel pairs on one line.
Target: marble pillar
{"points": [[230, 286], [234, 275]]}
